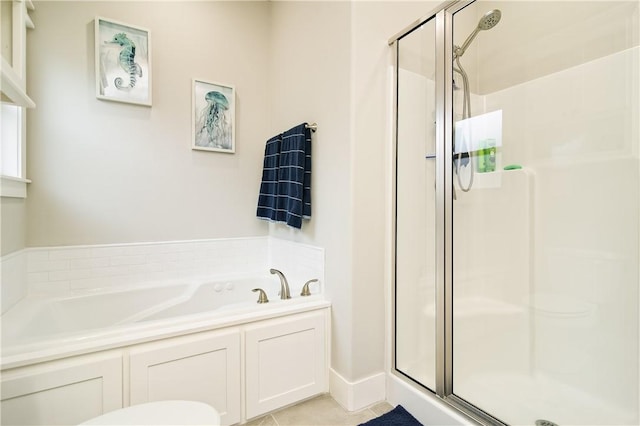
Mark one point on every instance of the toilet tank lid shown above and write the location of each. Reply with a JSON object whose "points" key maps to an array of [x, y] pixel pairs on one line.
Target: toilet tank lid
{"points": [[160, 413]]}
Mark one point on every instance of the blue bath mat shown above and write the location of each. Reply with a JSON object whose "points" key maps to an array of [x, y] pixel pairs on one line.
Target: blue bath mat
{"points": [[396, 417]]}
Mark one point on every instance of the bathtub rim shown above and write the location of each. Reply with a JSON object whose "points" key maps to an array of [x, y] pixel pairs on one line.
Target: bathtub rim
{"points": [[143, 332], [29, 306], [32, 303]]}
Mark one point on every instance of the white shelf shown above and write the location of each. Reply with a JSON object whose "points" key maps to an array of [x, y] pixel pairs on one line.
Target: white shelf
{"points": [[11, 87], [13, 187]]}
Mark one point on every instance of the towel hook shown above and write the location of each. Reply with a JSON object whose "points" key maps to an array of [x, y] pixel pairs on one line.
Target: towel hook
{"points": [[312, 126]]}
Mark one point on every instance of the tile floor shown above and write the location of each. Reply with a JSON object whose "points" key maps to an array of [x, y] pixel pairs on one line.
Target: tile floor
{"points": [[320, 411]]}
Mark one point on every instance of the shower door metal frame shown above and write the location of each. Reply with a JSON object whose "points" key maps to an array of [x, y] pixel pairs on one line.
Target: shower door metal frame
{"points": [[443, 16]]}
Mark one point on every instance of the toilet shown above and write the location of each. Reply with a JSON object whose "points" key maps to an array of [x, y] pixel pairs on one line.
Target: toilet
{"points": [[160, 413]]}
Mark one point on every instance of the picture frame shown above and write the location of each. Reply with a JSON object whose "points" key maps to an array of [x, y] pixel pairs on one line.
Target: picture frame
{"points": [[123, 62], [213, 117]]}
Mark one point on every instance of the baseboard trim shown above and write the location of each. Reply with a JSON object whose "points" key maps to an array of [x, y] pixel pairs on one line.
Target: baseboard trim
{"points": [[357, 395]]}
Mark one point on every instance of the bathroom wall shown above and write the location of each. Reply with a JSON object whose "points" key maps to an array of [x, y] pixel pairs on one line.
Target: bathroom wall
{"points": [[309, 81], [373, 23], [13, 222], [342, 81], [13, 235], [565, 34], [108, 172]]}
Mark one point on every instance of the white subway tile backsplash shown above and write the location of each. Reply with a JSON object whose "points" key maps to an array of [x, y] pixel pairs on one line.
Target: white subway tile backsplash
{"points": [[145, 268], [108, 251], [88, 263], [93, 283], [143, 249], [80, 268], [180, 247], [50, 288], [109, 271], [66, 254], [13, 271], [133, 259], [75, 274], [37, 277], [162, 257], [37, 255], [47, 265], [186, 256]]}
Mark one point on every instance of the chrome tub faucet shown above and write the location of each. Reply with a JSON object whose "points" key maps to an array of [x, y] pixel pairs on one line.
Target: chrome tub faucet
{"points": [[305, 287], [262, 297], [284, 285]]}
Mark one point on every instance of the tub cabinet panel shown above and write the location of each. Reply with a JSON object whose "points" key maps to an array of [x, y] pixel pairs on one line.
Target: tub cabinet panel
{"points": [[286, 361], [68, 391], [201, 367]]}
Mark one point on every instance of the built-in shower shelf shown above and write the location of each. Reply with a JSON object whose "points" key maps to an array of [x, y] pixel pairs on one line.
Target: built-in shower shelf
{"points": [[496, 180], [487, 180]]}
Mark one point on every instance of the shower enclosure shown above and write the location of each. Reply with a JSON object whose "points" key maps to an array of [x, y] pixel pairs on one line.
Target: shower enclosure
{"points": [[517, 210]]}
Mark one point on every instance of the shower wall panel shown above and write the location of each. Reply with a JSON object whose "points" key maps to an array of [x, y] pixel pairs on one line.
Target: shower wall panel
{"points": [[558, 244], [577, 136]]}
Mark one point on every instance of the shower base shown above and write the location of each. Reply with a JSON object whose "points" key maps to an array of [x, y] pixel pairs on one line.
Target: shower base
{"points": [[521, 399]]}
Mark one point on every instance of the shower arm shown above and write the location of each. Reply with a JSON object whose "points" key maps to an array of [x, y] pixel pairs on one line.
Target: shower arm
{"points": [[488, 21], [466, 112], [459, 51], [466, 102]]}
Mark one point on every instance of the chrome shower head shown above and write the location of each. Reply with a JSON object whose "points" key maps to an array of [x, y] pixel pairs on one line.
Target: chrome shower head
{"points": [[488, 21]]}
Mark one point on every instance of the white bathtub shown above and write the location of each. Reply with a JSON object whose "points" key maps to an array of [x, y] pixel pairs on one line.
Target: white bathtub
{"points": [[46, 328]]}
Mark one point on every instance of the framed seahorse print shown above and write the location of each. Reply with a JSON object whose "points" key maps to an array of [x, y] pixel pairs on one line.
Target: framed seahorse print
{"points": [[213, 113], [123, 62]]}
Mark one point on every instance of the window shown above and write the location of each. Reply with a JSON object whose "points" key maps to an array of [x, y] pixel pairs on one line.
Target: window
{"points": [[15, 21]]}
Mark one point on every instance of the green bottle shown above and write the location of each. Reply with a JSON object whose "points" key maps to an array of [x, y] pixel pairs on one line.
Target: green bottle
{"points": [[490, 155], [481, 159]]}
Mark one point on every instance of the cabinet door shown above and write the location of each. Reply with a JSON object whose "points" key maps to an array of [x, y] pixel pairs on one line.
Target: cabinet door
{"points": [[201, 367], [286, 361], [69, 391]]}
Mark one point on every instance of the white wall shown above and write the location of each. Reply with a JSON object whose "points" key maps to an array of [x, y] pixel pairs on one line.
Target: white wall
{"points": [[373, 23], [309, 81], [341, 81], [13, 225], [565, 34], [13, 236], [108, 172]]}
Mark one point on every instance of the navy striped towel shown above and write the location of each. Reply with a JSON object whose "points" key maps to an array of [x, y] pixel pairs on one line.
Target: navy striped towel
{"points": [[285, 190]]}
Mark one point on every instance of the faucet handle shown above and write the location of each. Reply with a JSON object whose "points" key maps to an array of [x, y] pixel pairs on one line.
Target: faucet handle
{"points": [[262, 297], [305, 287]]}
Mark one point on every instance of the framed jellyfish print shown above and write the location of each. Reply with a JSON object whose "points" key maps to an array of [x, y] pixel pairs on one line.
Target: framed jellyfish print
{"points": [[213, 116], [123, 62]]}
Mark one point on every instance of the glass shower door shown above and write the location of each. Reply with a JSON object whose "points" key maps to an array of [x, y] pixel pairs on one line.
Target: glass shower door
{"points": [[546, 211], [415, 280]]}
